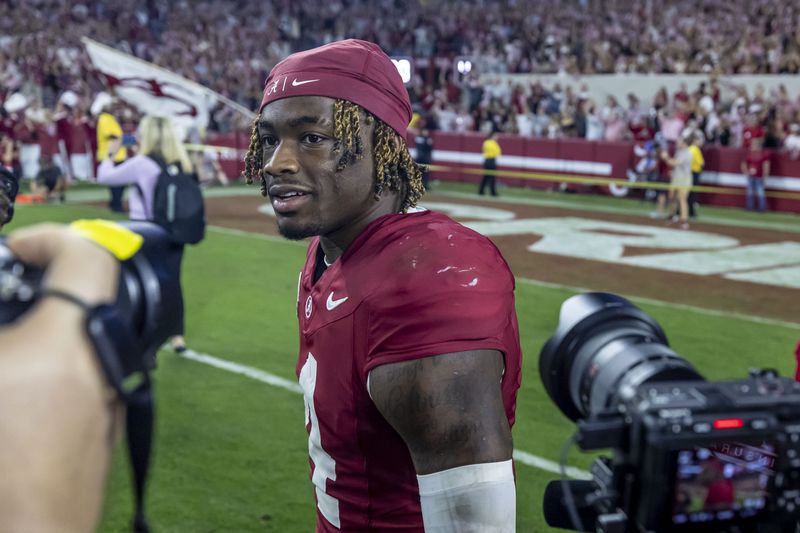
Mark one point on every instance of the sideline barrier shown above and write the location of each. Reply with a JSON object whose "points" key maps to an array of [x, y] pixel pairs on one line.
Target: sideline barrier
{"points": [[596, 166], [586, 166]]}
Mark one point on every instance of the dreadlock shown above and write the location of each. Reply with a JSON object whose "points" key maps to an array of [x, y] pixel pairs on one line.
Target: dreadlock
{"points": [[395, 170]]}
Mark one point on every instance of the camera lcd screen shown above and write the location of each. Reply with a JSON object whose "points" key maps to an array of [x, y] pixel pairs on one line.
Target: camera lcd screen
{"points": [[723, 481]]}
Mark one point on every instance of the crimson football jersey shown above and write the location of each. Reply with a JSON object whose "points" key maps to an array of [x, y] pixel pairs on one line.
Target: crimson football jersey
{"points": [[409, 286]]}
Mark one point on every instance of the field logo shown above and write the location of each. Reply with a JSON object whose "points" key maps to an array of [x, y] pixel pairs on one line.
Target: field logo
{"points": [[687, 252]]}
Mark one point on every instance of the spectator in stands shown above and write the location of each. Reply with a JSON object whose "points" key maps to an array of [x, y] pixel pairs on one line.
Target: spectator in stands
{"points": [[753, 129], [533, 41], [491, 151], [613, 117], [580, 119], [27, 136], [755, 167], [109, 130], [671, 125], [158, 145], [792, 142], [594, 124]]}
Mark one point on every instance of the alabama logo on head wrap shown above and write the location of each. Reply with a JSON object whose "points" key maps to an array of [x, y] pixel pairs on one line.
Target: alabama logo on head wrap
{"points": [[354, 70]]}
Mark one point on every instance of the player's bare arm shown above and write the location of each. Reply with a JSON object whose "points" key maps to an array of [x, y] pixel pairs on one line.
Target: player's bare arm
{"points": [[447, 408]]}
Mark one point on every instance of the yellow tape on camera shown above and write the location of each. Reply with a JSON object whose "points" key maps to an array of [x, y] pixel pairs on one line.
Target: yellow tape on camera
{"points": [[119, 240]]}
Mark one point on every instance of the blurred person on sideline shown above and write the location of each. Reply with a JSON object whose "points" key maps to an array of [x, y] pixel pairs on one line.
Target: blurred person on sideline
{"points": [[680, 180], [756, 167], [424, 146], [206, 161], [158, 145], [8, 150], [698, 162], [109, 130], [55, 457], [50, 182], [209, 169], [797, 360], [491, 151], [408, 333]]}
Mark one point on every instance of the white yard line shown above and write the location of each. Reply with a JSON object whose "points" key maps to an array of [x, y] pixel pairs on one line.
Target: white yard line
{"points": [[270, 379]]}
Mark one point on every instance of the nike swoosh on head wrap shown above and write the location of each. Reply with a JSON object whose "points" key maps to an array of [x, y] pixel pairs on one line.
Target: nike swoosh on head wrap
{"points": [[353, 70]]}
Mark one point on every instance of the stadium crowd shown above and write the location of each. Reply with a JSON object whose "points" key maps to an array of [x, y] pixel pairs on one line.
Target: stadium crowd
{"points": [[230, 46]]}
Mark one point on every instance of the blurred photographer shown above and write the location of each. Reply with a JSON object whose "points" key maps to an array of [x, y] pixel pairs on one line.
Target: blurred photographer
{"points": [[59, 416], [8, 193]]}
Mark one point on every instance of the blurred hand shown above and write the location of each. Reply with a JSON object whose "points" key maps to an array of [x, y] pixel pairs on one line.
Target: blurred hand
{"points": [[58, 415], [113, 146]]}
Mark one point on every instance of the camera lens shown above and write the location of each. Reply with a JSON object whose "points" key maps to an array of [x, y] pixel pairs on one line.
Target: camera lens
{"points": [[605, 347], [150, 286]]}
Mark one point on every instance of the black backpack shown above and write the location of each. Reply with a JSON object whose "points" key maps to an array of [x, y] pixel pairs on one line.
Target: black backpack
{"points": [[178, 204]]}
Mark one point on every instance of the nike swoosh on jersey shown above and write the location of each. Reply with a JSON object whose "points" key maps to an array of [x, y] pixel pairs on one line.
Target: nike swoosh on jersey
{"points": [[296, 83], [332, 304]]}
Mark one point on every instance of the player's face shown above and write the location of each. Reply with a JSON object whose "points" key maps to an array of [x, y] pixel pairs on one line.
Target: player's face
{"points": [[308, 195]]}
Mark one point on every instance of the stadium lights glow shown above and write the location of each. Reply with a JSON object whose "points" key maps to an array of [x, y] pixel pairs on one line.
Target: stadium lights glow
{"points": [[403, 66], [464, 66]]}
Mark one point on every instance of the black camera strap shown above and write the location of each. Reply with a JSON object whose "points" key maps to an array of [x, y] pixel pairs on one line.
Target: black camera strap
{"points": [[120, 356], [139, 429], [118, 353]]}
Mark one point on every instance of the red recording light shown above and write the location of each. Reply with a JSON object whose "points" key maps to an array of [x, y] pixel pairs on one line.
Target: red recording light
{"points": [[728, 423]]}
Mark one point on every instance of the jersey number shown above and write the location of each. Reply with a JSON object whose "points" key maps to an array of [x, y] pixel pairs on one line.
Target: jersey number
{"points": [[324, 464]]}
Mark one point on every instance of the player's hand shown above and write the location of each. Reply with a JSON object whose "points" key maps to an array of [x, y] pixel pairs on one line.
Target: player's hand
{"points": [[58, 414]]}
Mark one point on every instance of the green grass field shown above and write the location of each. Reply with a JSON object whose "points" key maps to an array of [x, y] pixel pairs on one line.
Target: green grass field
{"points": [[231, 451]]}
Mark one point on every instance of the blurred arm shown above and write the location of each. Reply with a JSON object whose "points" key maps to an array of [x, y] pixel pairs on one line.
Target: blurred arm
{"points": [[125, 173], [57, 419]]}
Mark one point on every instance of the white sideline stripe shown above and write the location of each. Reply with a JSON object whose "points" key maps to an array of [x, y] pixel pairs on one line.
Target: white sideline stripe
{"points": [[276, 381], [549, 466], [248, 371]]}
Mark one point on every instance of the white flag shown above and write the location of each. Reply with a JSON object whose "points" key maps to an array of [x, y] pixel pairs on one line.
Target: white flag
{"points": [[154, 90]]}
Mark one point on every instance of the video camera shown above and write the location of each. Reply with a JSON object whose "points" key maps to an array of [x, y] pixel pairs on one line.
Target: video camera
{"points": [[688, 454], [9, 187], [128, 333]]}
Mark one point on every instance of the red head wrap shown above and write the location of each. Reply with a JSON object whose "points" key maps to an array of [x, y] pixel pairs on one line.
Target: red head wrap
{"points": [[352, 70]]}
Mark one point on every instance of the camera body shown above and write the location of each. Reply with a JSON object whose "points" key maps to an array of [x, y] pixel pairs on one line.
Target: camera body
{"points": [[698, 455], [688, 454], [127, 333]]}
